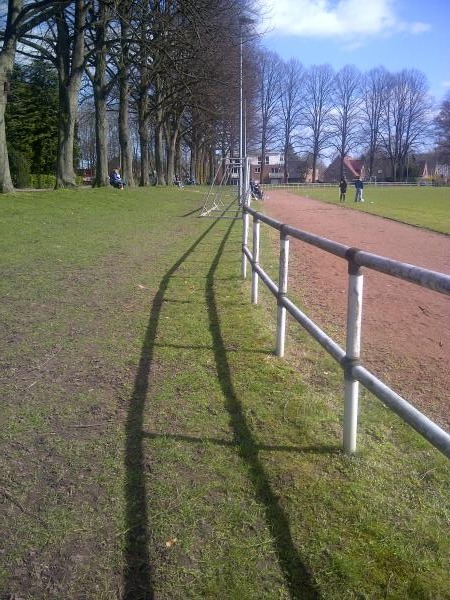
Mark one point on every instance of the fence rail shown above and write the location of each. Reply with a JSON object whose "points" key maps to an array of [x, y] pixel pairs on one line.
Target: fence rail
{"points": [[273, 186], [349, 359]]}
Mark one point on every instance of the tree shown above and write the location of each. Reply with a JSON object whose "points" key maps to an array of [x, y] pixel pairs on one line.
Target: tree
{"points": [[125, 14], [291, 99], [270, 68], [442, 130], [70, 56], [318, 108], [405, 117], [20, 17], [373, 94], [31, 115], [345, 118], [102, 81]]}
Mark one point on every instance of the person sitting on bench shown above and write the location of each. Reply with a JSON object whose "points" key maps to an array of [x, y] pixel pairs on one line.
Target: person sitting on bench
{"points": [[116, 180]]}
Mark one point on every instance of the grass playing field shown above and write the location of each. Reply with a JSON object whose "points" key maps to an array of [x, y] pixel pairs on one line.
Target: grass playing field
{"points": [[426, 207]]}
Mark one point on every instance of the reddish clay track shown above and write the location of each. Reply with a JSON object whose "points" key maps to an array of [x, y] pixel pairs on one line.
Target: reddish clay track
{"points": [[406, 333]]}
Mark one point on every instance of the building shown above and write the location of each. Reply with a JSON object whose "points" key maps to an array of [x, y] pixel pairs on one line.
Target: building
{"points": [[272, 171], [352, 169]]}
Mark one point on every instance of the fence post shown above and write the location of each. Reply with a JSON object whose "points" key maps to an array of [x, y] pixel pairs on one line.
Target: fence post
{"points": [[256, 230], [282, 291], [245, 219], [353, 350]]}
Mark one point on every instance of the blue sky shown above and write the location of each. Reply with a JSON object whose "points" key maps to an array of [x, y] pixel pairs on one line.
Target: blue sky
{"points": [[397, 34]]}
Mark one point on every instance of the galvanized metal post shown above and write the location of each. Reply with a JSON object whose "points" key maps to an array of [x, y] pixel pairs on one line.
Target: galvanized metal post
{"points": [[282, 291], [245, 220], [256, 230], [353, 351]]}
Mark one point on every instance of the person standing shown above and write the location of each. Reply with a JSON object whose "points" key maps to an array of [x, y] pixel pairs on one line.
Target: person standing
{"points": [[342, 189], [359, 185]]}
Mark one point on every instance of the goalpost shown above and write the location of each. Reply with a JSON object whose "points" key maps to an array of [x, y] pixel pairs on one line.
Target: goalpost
{"points": [[225, 196]]}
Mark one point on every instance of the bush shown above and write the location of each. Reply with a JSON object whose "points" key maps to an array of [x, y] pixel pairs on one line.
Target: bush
{"points": [[19, 168], [43, 180]]}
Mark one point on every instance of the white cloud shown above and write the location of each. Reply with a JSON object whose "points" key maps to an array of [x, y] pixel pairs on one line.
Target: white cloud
{"points": [[446, 84], [336, 18]]}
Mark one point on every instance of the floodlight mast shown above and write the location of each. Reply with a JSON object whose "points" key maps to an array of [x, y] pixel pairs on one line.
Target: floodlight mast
{"points": [[242, 21]]}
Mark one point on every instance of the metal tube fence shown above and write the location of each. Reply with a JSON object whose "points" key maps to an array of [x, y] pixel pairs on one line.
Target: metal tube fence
{"points": [[255, 262], [349, 359], [300, 186], [245, 218], [282, 292]]}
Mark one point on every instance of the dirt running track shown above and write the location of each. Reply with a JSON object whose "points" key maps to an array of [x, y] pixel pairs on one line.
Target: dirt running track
{"points": [[406, 328]]}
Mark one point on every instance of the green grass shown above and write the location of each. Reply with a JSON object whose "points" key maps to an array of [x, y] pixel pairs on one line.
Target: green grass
{"points": [[153, 445], [426, 207]]}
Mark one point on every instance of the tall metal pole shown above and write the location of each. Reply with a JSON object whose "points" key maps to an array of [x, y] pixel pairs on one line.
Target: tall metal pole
{"points": [[241, 121]]}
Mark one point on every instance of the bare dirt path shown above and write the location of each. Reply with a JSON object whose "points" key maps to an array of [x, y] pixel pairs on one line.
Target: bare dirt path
{"points": [[406, 328]]}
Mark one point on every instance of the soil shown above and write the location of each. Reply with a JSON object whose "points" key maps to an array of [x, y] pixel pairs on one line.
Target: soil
{"points": [[405, 329]]}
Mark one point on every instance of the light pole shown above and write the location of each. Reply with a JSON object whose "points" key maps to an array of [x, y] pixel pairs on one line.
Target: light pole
{"points": [[242, 21]]}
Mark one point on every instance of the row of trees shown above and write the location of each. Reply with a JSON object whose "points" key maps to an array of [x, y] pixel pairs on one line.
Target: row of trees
{"points": [[167, 63], [158, 80], [318, 111]]}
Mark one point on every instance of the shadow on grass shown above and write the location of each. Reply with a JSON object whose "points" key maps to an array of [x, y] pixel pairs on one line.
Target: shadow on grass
{"points": [[192, 212], [191, 439], [294, 570], [137, 575]]}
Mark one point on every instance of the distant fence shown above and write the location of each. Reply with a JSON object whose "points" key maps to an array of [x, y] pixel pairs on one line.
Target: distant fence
{"points": [[349, 359], [294, 186]]}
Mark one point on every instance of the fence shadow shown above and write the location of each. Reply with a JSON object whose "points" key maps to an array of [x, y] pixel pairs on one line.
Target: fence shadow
{"points": [[137, 572], [294, 570]]}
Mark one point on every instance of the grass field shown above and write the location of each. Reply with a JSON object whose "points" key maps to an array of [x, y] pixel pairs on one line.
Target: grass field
{"points": [[426, 207], [153, 445]]}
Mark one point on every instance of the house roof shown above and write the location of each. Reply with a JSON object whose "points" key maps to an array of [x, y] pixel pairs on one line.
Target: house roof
{"points": [[354, 166]]}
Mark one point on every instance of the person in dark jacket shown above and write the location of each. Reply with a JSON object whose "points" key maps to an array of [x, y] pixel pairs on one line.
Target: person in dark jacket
{"points": [[342, 189], [359, 186], [116, 180]]}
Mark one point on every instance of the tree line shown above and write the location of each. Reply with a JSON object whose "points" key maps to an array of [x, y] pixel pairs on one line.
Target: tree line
{"points": [[169, 65], [377, 114], [155, 84]]}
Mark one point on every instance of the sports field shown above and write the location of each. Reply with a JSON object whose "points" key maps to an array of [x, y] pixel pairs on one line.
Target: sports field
{"points": [[427, 207], [154, 447]]}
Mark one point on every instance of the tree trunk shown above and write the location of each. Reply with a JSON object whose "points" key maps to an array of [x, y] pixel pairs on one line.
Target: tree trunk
{"points": [[6, 62], [100, 89], [172, 138], [101, 137], [68, 99], [159, 153], [7, 54], [70, 59], [124, 97], [144, 136]]}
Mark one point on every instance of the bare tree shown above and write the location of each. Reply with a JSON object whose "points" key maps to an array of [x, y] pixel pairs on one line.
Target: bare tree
{"points": [[291, 100], [318, 108], [70, 56], [269, 72], [346, 117], [102, 81], [442, 130], [406, 122], [373, 94], [125, 16]]}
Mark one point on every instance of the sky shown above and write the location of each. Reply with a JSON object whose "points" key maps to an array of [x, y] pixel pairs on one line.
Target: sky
{"points": [[396, 34]]}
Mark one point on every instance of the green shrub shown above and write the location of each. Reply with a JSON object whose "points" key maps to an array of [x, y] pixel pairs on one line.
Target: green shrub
{"points": [[19, 167], [42, 180]]}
